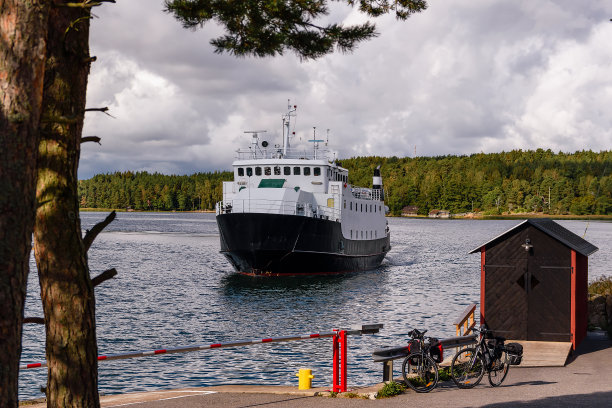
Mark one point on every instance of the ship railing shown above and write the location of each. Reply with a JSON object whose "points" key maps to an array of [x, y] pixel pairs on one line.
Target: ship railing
{"points": [[366, 193], [277, 153], [278, 207]]}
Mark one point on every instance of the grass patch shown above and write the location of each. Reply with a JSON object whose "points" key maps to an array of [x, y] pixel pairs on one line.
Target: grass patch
{"points": [[353, 395], [390, 389]]}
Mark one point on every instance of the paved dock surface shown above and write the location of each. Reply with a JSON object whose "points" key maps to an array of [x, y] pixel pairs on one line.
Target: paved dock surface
{"points": [[586, 381]]}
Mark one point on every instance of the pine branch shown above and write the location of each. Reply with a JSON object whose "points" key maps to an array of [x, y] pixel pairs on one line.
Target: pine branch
{"points": [[104, 109], [90, 235], [104, 276], [91, 139]]}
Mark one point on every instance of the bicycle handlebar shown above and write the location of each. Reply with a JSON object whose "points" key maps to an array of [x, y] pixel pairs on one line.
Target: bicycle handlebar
{"points": [[414, 333]]}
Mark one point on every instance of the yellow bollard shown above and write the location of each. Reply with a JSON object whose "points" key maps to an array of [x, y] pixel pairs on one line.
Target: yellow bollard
{"points": [[305, 379]]}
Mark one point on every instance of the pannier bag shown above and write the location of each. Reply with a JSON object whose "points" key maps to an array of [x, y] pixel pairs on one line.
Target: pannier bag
{"points": [[515, 353], [413, 347], [436, 351]]}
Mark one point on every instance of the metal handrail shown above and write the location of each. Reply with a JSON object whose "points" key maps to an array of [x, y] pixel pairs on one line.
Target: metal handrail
{"points": [[277, 153], [278, 207]]}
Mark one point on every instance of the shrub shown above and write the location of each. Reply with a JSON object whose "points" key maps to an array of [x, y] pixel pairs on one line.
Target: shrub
{"points": [[444, 374], [390, 389], [601, 286]]}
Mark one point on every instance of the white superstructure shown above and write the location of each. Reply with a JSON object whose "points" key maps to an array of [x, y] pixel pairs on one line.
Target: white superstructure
{"points": [[302, 182]]}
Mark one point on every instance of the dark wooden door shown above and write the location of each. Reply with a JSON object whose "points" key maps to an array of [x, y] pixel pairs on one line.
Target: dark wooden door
{"points": [[549, 302], [506, 302], [528, 301]]}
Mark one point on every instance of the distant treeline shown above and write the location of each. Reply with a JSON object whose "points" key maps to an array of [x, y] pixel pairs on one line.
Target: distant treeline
{"points": [[145, 191], [518, 181]]}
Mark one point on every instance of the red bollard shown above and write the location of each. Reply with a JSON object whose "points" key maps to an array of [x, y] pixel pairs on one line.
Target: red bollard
{"points": [[339, 369]]}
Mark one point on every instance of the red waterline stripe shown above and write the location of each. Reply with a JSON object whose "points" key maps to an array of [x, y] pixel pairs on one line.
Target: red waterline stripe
{"points": [[315, 335], [102, 357], [266, 340], [162, 351], [34, 365], [215, 345]]}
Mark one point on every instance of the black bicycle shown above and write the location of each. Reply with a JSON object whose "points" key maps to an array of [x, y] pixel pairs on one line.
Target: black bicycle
{"points": [[420, 368], [490, 354]]}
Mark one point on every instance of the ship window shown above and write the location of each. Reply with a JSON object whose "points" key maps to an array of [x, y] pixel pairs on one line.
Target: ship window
{"points": [[307, 171], [370, 207], [267, 171], [317, 171], [351, 234], [258, 171], [375, 234], [374, 208], [362, 211], [296, 171], [351, 205], [277, 170], [345, 204], [361, 234], [240, 171], [380, 208], [249, 171], [287, 171]]}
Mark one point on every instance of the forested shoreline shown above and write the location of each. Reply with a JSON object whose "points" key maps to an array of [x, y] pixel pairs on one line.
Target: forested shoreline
{"points": [[495, 183]]}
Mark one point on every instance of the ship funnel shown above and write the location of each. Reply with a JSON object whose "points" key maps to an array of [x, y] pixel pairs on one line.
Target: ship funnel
{"points": [[377, 184]]}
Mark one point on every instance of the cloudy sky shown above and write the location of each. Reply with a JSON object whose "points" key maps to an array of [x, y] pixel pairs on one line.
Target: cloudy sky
{"points": [[462, 77]]}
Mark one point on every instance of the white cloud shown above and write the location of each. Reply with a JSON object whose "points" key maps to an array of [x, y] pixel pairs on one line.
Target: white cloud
{"points": [[458, 78]]}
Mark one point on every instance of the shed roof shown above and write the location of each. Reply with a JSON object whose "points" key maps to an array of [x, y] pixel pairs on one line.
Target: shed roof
{"points": [[551, 228]]}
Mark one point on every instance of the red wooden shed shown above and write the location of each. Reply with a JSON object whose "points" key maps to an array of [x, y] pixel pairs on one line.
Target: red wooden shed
{"points": [[534, 283]]}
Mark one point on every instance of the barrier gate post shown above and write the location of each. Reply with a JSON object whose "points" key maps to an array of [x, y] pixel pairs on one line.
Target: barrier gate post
{"points": [[339, 369]]}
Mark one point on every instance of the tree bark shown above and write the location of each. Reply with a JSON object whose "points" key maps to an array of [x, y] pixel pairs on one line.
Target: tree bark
{"points": [[23, 26], [66, 288]]}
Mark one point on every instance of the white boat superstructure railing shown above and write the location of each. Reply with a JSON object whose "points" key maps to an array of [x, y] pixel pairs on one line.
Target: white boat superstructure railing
{"points": [[277, 207], [277, 153], [367, 193]]}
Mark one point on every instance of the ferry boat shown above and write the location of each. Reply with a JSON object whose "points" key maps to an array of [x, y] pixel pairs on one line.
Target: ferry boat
{"points": [[291, 211]]}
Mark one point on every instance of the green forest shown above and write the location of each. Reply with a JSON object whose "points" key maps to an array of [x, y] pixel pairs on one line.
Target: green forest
{"points": [[495, 183]]}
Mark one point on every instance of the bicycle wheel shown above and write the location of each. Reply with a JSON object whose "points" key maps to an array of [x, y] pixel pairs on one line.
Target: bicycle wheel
{"points": [[499, 370], [467, 368], [420, 372]]}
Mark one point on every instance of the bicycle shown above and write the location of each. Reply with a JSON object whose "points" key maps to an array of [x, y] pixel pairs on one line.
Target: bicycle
{"points": [[490, 354], [419, 369]]}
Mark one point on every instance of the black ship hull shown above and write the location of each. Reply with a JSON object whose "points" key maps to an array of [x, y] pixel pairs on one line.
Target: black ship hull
{"points": [[284, 245]]}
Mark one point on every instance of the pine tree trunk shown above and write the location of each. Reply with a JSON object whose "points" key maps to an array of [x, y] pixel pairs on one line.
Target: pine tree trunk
{"points": [[66, 288], [23, 26]]}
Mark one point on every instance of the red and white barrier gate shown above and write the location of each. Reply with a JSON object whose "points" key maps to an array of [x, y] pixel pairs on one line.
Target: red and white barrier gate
{"points": [[339, 347]]}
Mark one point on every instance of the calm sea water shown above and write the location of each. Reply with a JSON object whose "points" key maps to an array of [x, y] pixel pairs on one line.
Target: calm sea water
{"points": [[175, 289]]}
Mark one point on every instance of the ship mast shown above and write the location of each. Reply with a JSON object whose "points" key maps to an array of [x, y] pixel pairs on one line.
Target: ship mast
{"points": [[286, 125]]}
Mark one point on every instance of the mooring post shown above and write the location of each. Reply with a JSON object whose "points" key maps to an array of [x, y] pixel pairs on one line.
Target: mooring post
{"points": [[388, 371]]}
